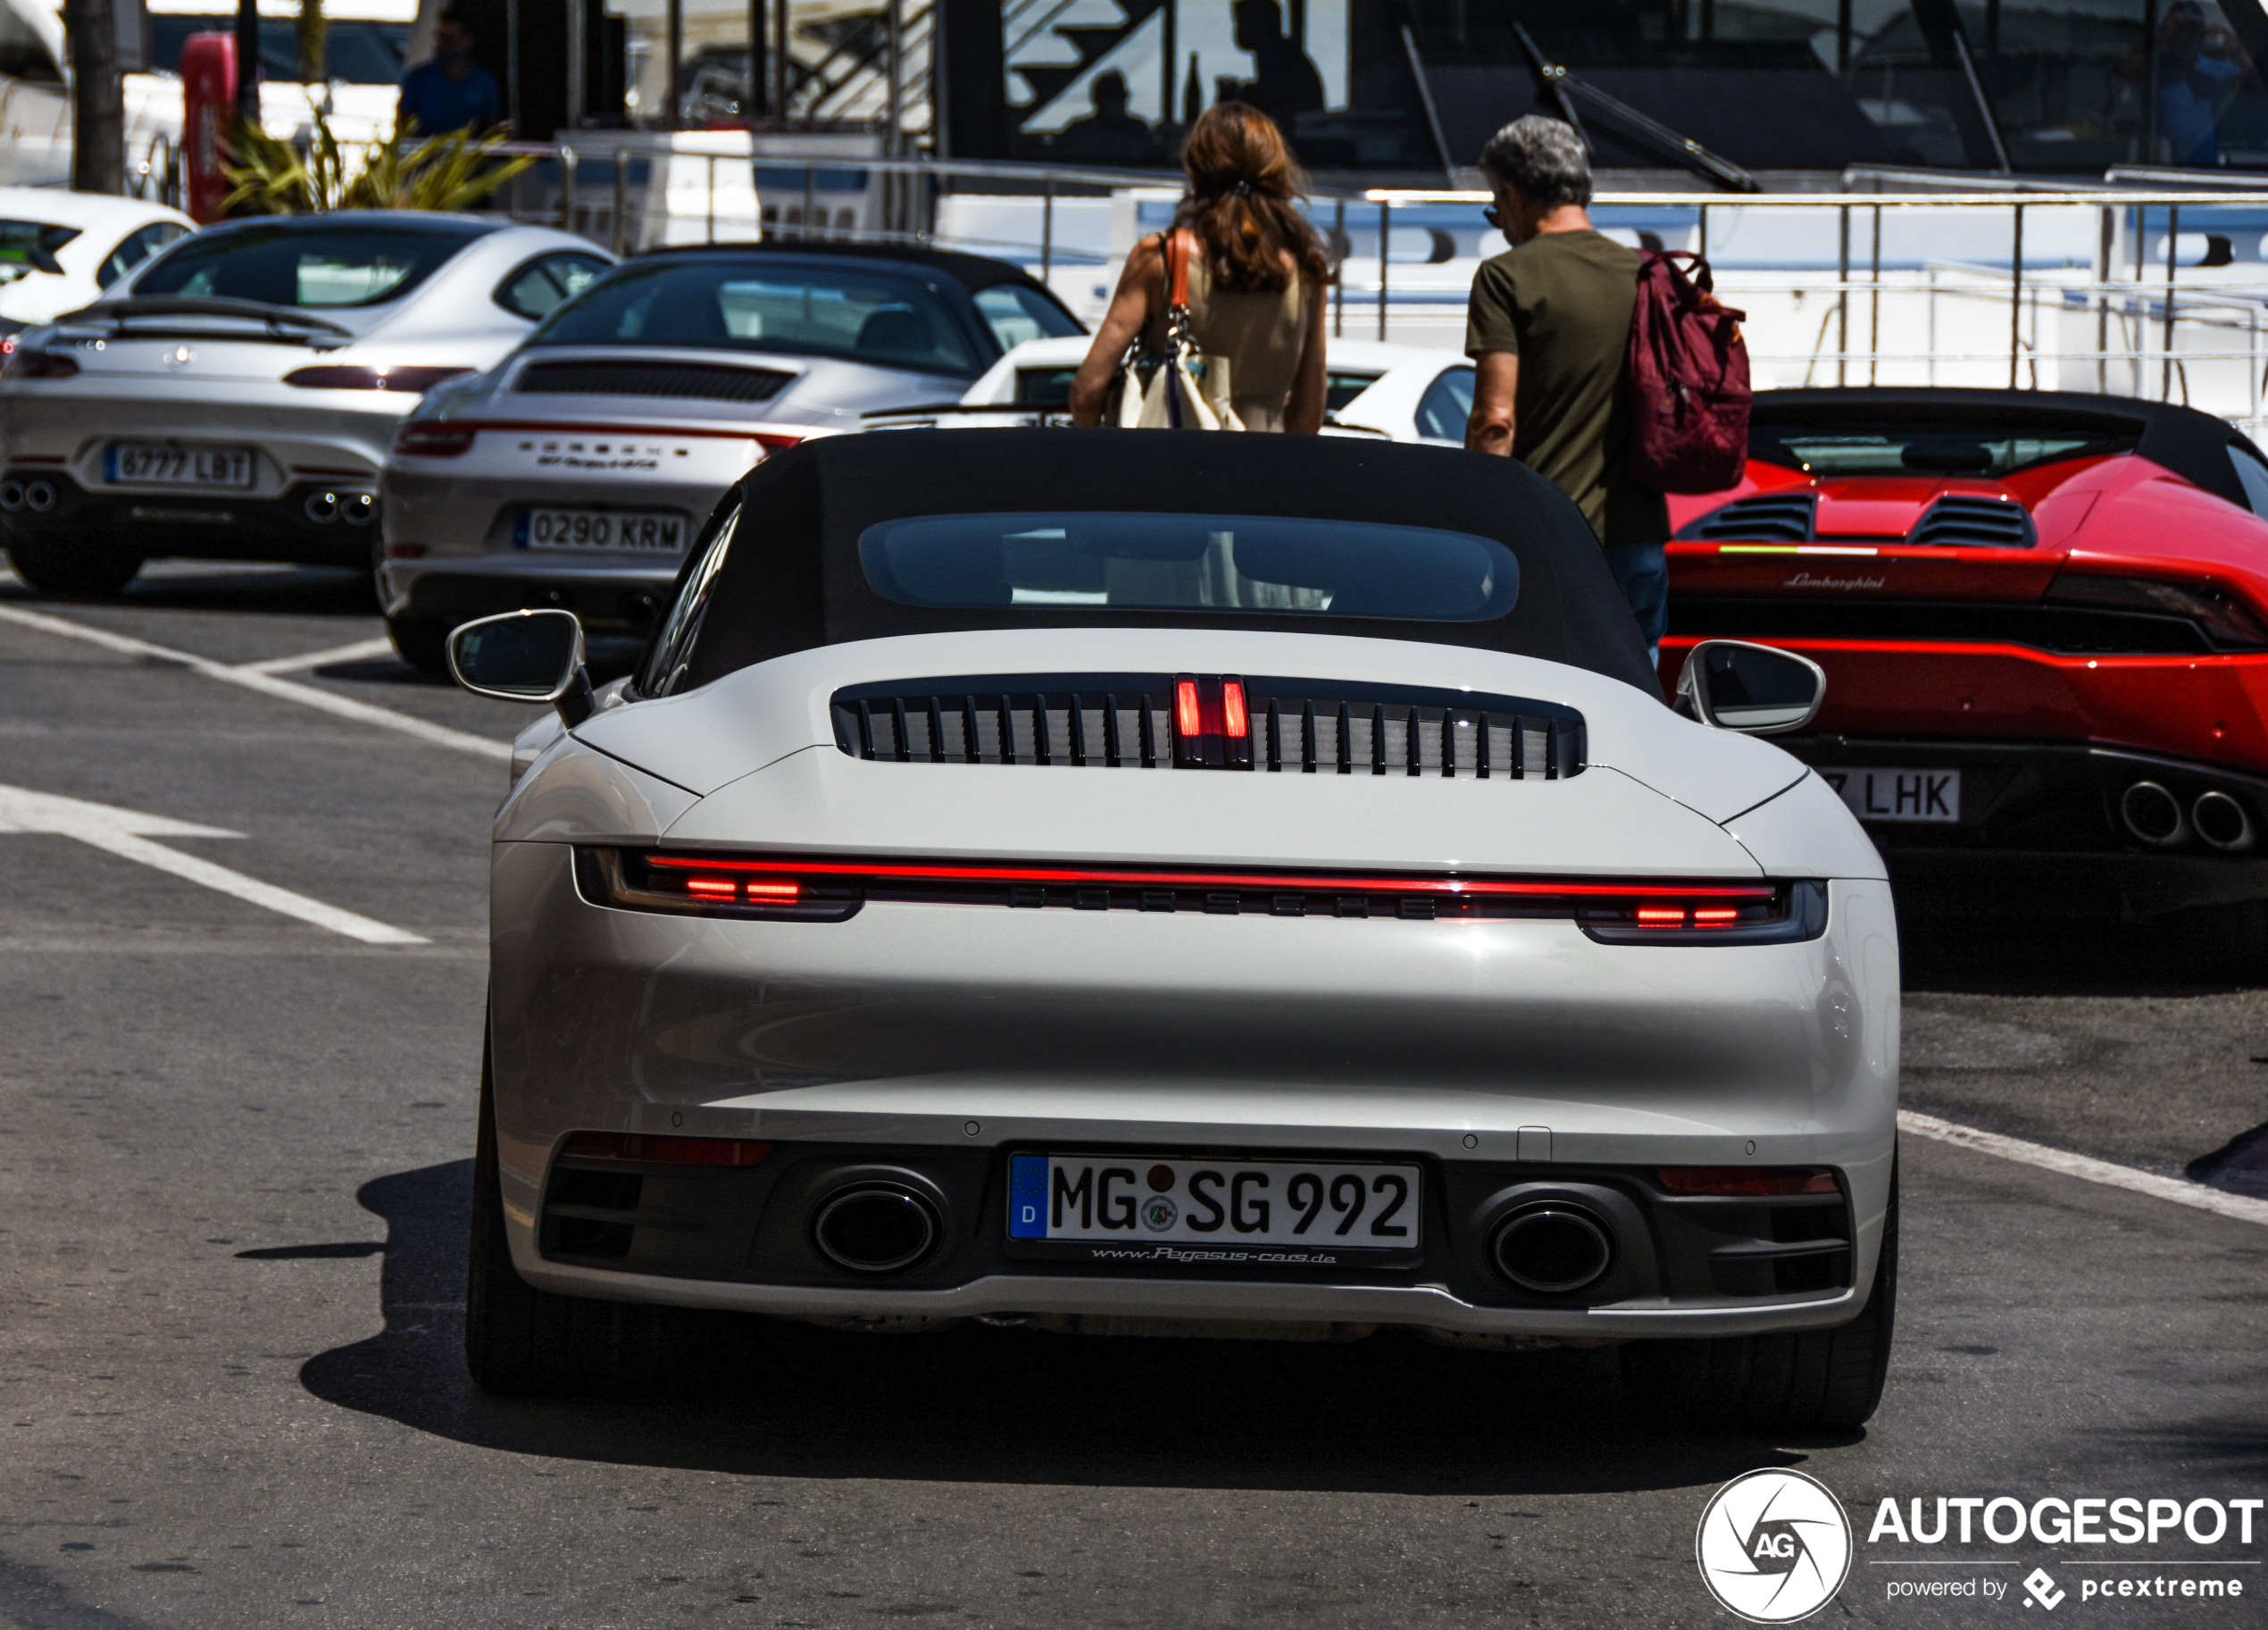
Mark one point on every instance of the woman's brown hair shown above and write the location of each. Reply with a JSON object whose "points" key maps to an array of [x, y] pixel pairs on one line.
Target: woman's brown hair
{"points": [[1240, 204]]}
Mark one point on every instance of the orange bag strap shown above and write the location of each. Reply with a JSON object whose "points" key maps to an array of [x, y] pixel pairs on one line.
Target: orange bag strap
{"points": [[1177, 266]]}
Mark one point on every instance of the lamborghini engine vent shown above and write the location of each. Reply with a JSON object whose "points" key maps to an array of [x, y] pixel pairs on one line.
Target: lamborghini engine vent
{"points": [[1964, 521], [703, 381], [1157, 722], [1766, 517]]}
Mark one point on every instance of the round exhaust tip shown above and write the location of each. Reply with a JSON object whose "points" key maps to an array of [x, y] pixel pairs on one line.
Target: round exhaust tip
{"points": [[1552, 1249], [359, 508], [2153, 815], [875, 1228], [10, 495], [2220, 820], [322, 508], [38, 496]]}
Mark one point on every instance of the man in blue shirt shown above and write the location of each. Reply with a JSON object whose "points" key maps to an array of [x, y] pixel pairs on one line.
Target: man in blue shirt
{"points": [[452, 91]]}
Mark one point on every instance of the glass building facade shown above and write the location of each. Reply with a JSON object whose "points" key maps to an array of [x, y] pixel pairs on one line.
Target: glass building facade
{"points": [[1414, 88]]}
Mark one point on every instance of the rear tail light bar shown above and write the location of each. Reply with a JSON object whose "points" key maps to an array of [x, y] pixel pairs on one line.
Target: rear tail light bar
{"points": [[435, 438], [832, 890], [411, 382]]}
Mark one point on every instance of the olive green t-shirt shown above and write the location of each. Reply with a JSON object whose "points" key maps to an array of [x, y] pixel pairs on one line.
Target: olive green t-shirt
{"points": [[1563, 301]]}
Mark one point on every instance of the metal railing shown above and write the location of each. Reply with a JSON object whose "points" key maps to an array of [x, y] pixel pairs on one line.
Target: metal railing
{"points": [[2016, 323]]}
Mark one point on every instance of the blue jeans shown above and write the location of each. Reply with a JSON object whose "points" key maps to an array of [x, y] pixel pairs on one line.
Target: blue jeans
{"points": [[1643, 570]]}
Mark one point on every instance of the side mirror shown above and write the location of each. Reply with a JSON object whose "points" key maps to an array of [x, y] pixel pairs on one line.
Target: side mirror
{"points": [[525, 657], [1758, 689]]}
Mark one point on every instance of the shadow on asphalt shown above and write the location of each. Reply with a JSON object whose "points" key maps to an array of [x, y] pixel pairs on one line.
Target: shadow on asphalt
{"points": [[301, 591], [978, 1405], [2021, 958]]}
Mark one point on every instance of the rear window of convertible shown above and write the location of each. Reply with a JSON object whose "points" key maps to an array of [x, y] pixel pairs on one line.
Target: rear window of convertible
{"points": [[1189, 562]]}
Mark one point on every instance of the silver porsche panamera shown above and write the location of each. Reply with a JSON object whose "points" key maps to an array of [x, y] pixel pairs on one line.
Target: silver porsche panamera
{"points": [[233, 397], [1138, 885], [576, 473]]}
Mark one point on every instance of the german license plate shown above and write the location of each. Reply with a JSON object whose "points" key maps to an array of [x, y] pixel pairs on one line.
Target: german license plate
{"points": [[142, 463], [1894, 794], [1142, 1204], [632, 531]]}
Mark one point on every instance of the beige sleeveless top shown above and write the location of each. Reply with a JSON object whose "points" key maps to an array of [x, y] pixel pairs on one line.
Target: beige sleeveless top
{"points": [[1261, 333]]}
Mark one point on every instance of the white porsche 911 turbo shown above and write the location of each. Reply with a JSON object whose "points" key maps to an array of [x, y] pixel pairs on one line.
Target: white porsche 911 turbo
{"points": [[1179, 885], [233, 397]]}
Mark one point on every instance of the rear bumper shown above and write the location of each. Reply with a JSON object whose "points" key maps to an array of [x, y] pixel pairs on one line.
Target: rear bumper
{"points": [[622, 600], [288, 526], [2041, 798], [937, 1040]]}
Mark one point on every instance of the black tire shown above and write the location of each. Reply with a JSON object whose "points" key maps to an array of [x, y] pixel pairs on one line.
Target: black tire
{"points": [[1810, 1380], [523, 1343], [423, 642], [72, 568]]}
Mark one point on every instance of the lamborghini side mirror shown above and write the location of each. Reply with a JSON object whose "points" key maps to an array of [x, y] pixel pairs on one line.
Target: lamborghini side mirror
{"points": [[1758, 689], [525, 657]]}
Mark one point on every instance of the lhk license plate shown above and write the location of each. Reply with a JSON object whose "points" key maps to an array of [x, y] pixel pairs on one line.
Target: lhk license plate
{"points": [[1149, 1206], [1895, 794]]}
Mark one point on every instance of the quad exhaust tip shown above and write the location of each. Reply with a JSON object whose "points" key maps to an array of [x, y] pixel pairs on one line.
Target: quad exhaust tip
{"points": [[1552, 1249], [2154, 815], [874, 1228], [2220, 820], [39, 497]]}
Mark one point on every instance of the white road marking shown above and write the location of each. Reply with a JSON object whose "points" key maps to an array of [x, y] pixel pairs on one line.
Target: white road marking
{"points": [[357, 652], [2241, 1207], [127, 833], [266, 684]]}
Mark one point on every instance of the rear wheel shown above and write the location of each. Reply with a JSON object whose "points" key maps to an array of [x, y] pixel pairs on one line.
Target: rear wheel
{"points": [[525, 1342], [76, 568], [1820, 1379], [421, 642]]}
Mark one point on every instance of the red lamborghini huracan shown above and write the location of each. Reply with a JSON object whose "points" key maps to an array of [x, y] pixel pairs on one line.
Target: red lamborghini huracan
{"points": [[2044, 619]]}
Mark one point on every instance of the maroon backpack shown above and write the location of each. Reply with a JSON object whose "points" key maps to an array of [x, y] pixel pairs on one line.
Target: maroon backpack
{"points": [[1689, 380]]}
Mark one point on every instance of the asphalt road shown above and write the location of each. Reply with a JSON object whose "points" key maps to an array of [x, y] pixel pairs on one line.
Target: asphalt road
{"points": [[233, 1182]]}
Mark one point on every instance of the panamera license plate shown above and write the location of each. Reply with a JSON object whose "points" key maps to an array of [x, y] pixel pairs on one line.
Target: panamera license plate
{"points": [[624, 531], [1893, 794], [1226, 1207], [139, 464]]}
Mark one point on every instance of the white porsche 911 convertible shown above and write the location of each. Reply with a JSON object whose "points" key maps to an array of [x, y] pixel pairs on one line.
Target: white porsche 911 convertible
{"points": [[866, 956]]}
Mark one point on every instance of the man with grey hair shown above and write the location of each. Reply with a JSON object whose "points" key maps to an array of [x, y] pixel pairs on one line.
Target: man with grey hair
{"points": [[1548, 328]]}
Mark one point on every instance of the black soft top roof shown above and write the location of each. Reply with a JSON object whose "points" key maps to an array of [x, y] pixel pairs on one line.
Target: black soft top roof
{"points": [[792, 579], [2191, 444]]}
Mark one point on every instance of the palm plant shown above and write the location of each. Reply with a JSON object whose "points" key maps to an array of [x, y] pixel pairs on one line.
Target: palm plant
{"points": [[449, 171]]}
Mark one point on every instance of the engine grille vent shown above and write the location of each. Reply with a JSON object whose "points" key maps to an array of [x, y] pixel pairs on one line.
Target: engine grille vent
{"points": [[1766, 517], [1959, 519], [1126, 721], [690, 379]]}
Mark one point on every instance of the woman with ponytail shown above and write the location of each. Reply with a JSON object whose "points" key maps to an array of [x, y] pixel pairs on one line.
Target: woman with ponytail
{"points": [[1257, 273]]}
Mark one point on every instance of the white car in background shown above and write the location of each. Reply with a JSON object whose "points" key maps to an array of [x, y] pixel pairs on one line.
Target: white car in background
{"points": [[1403, 393], [60, 250], [234, 397]]}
